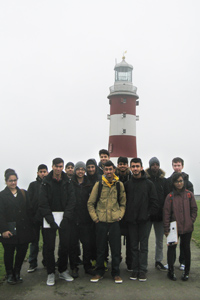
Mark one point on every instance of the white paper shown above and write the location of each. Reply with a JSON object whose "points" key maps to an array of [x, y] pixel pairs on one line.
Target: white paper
{"points": [[173, 236], [58, 216]]}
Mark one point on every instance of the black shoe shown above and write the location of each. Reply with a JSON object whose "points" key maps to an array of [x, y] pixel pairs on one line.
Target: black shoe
{"points": [[134, 276], [171, 276], [31, 269], [142, 276], [90, 271], [75, 273], [11, 279], [160, 266], [18, 278], [185, 276]]}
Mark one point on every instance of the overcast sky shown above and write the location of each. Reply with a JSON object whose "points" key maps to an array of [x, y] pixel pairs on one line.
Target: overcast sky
{"points": [[57, 63]]}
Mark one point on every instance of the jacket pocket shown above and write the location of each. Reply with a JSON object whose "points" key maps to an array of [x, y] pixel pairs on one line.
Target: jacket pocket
{"points": [[101, 215], [115, 214]]}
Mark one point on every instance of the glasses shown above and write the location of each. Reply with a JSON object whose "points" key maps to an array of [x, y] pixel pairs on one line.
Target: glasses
{"points": [[179, 181], [14, 180]]}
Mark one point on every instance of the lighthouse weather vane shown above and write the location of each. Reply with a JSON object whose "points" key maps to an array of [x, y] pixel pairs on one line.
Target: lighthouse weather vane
{"points": [[123, 57]]}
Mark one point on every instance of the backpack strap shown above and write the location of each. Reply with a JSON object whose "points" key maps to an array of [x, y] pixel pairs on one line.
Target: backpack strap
{"points": [[23, 194], [100, 189], [99, 193]]}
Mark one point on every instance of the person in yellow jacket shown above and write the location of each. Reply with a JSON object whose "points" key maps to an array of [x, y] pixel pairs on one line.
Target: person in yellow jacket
{"points": [[106, 207]]}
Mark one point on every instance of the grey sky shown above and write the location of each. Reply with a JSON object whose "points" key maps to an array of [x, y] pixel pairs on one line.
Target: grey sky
{"points": [[57, 60]]}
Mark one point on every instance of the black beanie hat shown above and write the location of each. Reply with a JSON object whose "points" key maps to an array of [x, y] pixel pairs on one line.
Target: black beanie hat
{"points": [[153, 160]]}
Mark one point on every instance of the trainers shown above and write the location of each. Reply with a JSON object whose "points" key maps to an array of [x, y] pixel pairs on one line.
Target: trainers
{"points": [[75, 273], [182, 267], [31, 269], [160, 266], [51, 279], [166, 266], [185, 276], [96, 278], [118, 279], [65, 275], [134, 276], [142, 276]]}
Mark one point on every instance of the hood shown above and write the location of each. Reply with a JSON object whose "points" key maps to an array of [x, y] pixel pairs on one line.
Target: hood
{"points": [[161, 173]]}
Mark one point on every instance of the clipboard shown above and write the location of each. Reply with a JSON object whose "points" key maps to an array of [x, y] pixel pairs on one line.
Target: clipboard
{"points": [[58, 216], [172, 238]]}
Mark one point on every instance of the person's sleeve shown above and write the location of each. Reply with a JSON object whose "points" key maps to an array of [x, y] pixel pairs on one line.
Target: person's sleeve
{"points": [[193, 208], [71, 202], [44, 207], [92, 201], [122, 201], [167, 210], [154, 202]]}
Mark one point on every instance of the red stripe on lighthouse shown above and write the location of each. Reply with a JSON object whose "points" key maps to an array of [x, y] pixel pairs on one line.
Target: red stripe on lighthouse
{"points": [[117, 105], [123, 145]]}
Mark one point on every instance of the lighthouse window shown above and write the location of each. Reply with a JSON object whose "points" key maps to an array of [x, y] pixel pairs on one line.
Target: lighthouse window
{"points": [[123, 100], [123, 131]]}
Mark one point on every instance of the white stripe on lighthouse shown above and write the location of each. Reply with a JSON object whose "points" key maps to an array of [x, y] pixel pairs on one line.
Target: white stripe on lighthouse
{"points": [[117, 124]]}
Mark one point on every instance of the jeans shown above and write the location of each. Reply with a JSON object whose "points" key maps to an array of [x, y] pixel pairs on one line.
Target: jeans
{"points": [[139, 235]]}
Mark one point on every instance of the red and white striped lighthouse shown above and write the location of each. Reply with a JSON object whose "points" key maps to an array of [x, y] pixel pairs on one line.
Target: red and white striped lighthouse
{"points": [[123, 100]]}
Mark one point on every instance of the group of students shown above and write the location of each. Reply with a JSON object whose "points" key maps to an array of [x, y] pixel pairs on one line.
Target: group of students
{"points": [[97, 209]]}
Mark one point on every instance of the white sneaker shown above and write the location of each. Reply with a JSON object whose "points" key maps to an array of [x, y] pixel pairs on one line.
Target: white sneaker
{"points": [[65, 275], [166, 266], [182, 267], [51, 279]]}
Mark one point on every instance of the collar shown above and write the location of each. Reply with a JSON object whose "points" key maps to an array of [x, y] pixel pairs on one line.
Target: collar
{"points": [[110, 183]]}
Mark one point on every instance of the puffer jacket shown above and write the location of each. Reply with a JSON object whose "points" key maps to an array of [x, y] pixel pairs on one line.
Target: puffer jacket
{"points": [[161, 185], [108, 209], [182, 208]]}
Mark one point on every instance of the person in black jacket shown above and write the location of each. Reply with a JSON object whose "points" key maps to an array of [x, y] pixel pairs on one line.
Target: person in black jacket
{"points": [[178, 165], [142, 202], [15, 226], [157, 176], [33, 191], [82, 222], [57, 195]]}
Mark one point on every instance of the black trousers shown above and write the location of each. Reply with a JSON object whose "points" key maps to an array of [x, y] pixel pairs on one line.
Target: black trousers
{"points": [[13, 262], [83, 233], [49, 236], [34, 246], [171, 252], [113, 233]]}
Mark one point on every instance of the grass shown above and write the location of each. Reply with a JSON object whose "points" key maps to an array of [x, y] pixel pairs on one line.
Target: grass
{"points": [[196, 232]]}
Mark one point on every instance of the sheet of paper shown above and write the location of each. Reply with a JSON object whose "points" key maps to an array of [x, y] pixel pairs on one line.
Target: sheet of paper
{"points": [[58, 216], [173, 236]]}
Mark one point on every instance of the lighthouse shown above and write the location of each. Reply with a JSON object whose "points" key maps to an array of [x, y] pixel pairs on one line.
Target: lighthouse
{"points": [[123, 100]]}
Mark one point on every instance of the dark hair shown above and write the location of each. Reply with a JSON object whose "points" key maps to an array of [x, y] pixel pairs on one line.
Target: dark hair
{"points": [[109, 163], [136, 160], [178, 159], [91, 161], [176, 176], [42, 166], [123, 160], [69, 164], [57, 161], [104, 151], [8, 173]]}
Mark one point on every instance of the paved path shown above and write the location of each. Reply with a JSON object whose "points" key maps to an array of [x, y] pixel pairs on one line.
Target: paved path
{"points": [[157, 287]]}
